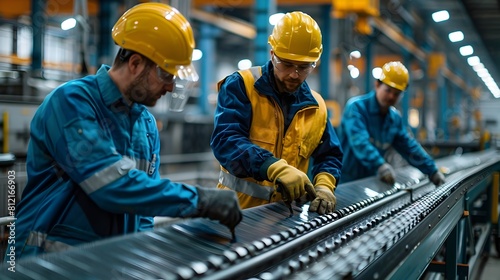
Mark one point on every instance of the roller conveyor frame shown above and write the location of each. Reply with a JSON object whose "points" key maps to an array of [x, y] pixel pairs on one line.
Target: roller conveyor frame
{"points": [[292, 247]]}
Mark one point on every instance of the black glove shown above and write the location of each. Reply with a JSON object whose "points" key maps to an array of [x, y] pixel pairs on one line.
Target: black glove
{"points": [[437, 178], [386, 174], [219, 205]]}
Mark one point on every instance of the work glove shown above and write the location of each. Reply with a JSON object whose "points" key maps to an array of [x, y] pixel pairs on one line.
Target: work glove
{"points": [[386, 174], [289, 177], [437, 178], [219, 205], [325, 200]]}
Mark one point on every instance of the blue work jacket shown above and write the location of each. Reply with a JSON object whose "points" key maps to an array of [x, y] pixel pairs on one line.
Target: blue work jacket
{"points": [[230, 141], [92, 169], [366, 135]]}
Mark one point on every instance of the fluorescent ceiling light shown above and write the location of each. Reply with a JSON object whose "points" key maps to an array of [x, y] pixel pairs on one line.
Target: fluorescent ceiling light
{"points": [[354, 72], [355, 54], [483, 73], [440, 16], [473, 60], [478, 67], [274, 18], [456, 36], [68, 24], [466, 50], [244, 64], [197, 54], [376, 72]]}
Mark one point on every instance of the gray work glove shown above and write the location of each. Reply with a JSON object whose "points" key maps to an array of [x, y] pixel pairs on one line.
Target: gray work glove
{"points": [[386, 174], [437, 178], [219, 205]]}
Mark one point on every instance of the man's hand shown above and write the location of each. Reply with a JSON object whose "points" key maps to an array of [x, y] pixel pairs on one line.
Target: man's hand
{"points": [[219, 205], [324, 202], [437, 178], [386, 174], [289, 177]]}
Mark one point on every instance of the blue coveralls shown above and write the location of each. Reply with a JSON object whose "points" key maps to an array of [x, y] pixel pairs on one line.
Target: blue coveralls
{"points": [[93, 170], [366, 135]]}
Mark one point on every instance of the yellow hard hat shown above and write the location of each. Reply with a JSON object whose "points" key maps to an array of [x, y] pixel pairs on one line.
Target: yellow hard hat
{"points": [[160, 33], [297, 37], [395, 74]]}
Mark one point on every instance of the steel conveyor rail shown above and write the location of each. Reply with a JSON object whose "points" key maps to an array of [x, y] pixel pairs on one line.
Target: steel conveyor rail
{"points": [[376, 232]]}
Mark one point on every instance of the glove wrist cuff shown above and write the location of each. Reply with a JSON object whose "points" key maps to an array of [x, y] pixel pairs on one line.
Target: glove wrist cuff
{"points": [[325, 179]]}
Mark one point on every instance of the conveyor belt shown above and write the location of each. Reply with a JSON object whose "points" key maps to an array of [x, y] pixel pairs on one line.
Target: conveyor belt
{"points": [[373, 230]]}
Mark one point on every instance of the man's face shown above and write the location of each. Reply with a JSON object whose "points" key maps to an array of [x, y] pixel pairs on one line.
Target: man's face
{"points": [[289, 75], [150, 85], [387, 96]]}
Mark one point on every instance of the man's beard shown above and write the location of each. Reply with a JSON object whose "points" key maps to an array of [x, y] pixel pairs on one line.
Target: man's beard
{"points": [[139, 91]]}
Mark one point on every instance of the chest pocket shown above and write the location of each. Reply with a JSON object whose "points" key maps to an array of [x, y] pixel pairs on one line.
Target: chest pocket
{"points": [[264, 137], [86, 142], [143, 144]]}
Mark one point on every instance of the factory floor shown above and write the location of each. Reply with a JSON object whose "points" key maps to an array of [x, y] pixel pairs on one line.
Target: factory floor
{"points": [[491, 268]]}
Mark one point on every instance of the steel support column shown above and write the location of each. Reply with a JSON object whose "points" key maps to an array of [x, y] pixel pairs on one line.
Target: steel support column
{"points": [[38, 22], [405, 102], [263, 9], [458, 108], [324, 67], [368, 65], [443, 106], [108, 15], [207, 46]]}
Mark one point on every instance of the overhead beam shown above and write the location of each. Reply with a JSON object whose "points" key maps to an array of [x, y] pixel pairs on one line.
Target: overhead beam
{"points": [[229, 24], [395, 34], [250, 3], [53, 7]]}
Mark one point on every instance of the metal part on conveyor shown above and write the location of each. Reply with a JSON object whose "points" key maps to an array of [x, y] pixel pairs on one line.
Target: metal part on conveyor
{"points": [[374, 224]]}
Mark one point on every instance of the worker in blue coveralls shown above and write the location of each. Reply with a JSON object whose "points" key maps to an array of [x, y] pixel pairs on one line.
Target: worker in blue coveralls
{"points": [[371, 125], [93, 156], [271, 128]]}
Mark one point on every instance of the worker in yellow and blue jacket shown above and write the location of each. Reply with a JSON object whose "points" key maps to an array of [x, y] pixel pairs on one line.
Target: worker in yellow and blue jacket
{"points": [[271, 128]]}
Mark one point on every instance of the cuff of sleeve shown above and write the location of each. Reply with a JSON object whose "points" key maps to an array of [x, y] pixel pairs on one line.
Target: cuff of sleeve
{"points": [[325, 179], [265, 166], [433, 171]]}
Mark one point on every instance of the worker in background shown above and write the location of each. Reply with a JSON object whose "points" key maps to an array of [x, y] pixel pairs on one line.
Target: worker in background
{"points": [[93, 157], [269, 125], [371, 125]]}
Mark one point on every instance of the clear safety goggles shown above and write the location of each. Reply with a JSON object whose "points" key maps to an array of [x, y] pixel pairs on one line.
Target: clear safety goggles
{"points": [[288, 67], [184, 81]]}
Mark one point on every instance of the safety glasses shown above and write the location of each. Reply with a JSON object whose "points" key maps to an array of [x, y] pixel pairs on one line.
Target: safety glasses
{"points": [[164, 76], [288, 67]]}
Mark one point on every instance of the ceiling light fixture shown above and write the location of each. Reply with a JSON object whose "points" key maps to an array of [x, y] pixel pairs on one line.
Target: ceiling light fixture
{"points": [[440, 16]]}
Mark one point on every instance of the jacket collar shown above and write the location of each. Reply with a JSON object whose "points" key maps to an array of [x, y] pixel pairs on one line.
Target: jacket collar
{"points": [[373, 106], [109, 91]]}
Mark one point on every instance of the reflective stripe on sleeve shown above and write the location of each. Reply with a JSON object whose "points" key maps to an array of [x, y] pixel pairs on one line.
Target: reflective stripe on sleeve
{"points": [[55, 246], [246, 187], [108, 175], [36, 239]]}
